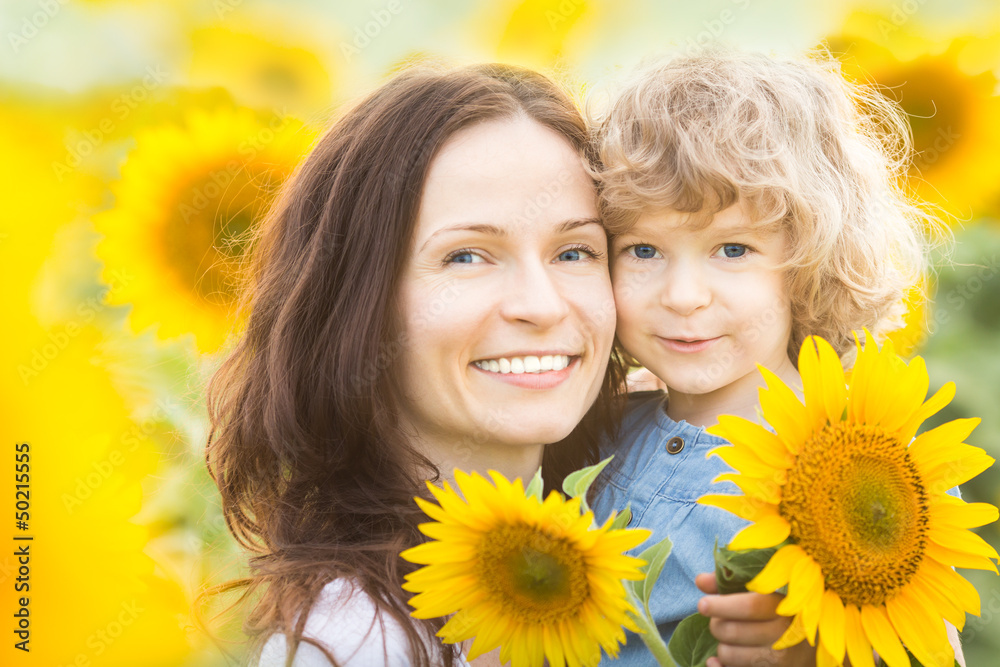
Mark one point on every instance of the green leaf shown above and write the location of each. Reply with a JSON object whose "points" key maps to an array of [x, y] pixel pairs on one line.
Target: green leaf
{"points": [[535, 486], [622, 519], [655, 557], [578, 483], [734, 569], [692, 644]]}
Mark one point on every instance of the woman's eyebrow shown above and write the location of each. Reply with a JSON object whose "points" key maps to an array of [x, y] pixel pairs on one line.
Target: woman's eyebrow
{"points": [[570, 225], [480, 227], [500, 232]]}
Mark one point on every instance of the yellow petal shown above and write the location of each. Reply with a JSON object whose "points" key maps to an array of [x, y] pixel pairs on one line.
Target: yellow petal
{"points": [[944, 604], [882, 636], [805, 582], [750, 509], [784, 412], [861, 379], [764, 490], [768, 532], [931, 406], [859, 650], [909, 391], [778, 570], [950, 583], [968, 462], [743, 460], [823, 384], [932, 447], [765, 445], [956, 512], [825, 659], [925, 637], [961, 539], [955, 558], [832, 626], [877, 400], [440, 552], [795, 634]]}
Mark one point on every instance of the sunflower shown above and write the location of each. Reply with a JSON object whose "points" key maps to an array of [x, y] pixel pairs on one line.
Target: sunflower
{"points": [[263, 67], [951, 107], [868, 535], [185, 206], [541, 34], [533, 577]]}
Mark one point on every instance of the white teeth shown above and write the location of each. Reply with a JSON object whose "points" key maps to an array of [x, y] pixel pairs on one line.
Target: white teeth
{"points": [[528, 364]]}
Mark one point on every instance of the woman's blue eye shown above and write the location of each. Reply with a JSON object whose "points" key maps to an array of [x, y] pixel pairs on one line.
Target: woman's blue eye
{"points": [[643, 251], [734, 250], [463, 257], [571, 255]]}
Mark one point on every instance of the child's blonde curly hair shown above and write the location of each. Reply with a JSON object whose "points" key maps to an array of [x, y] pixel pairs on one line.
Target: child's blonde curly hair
{"points": [[799, 146]]}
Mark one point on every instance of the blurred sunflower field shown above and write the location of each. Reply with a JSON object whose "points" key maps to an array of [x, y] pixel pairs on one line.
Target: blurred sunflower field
{"points": [[141, 142]]}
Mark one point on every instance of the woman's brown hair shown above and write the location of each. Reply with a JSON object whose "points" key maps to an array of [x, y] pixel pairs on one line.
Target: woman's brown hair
{"points": [[315, 477]]}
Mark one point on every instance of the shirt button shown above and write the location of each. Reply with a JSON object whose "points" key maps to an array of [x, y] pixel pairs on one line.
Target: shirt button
{"points": [[675, 445]]}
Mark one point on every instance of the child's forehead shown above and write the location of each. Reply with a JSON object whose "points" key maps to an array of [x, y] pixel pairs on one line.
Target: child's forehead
{"points": [[737, 218]]}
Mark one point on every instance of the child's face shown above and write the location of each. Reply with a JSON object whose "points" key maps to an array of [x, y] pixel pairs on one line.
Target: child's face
{"points": [[701, 307]]}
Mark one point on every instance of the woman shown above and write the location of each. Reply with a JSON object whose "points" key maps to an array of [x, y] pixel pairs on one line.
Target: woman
{"points": [[430, 292]]}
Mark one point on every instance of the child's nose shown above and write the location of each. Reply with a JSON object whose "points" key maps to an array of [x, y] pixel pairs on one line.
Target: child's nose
{"points": [[686, 289]]}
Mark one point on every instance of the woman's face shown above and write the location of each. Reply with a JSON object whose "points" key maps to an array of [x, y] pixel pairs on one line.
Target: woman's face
{"points": [[506, 303]]}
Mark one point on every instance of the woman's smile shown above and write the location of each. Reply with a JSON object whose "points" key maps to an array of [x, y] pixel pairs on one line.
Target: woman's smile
{"points": [[541, 371]]}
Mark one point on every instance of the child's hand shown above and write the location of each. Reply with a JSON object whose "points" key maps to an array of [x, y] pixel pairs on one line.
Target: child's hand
{"points": [[746, 625]]}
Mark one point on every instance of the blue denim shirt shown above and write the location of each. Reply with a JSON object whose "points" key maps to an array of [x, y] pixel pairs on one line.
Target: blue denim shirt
{"points": [[661, 470]]}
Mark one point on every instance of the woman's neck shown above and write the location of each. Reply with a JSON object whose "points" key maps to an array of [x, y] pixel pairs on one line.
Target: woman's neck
{"points": [[511, 461], [738, 398]]}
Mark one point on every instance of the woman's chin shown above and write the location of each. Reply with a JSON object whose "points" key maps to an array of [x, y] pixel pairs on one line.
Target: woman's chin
{"points": [[527, 432]]}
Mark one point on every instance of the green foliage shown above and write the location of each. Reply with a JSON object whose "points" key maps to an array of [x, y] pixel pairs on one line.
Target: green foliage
{"points": [[578, 483], [535, 486], [622, 519], [655, 557], [692, 644], [734, 569]]}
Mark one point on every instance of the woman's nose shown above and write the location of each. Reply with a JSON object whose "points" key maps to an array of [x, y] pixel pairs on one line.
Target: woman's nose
{"points": [[532, 294]]}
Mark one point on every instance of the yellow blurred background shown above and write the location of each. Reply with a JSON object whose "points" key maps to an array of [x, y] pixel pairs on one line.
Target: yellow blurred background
{"points": [[141, 141]]}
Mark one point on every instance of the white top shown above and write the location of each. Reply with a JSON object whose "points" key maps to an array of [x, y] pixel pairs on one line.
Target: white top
{"points": [[344, 620]]}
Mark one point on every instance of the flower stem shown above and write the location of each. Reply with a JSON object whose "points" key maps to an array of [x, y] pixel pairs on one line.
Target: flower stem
{"points": [[650, 633]]}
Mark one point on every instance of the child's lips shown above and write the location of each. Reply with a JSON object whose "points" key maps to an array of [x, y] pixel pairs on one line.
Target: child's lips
{"points": [[688, 346]]}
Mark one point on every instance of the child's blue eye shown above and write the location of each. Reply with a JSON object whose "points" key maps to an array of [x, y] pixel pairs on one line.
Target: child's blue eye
{"points": [[734, 250], [643, 251]]}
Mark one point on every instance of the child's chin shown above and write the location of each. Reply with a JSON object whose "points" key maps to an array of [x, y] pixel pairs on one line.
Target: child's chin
{"points": [[693, 385]]}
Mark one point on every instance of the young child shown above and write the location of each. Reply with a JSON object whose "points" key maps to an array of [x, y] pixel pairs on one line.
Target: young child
{"points": [[752, 201]]}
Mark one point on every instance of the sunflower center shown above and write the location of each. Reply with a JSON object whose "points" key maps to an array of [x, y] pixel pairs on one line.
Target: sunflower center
{"points": [[855, 503], [207, 233], [534, 577]]}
